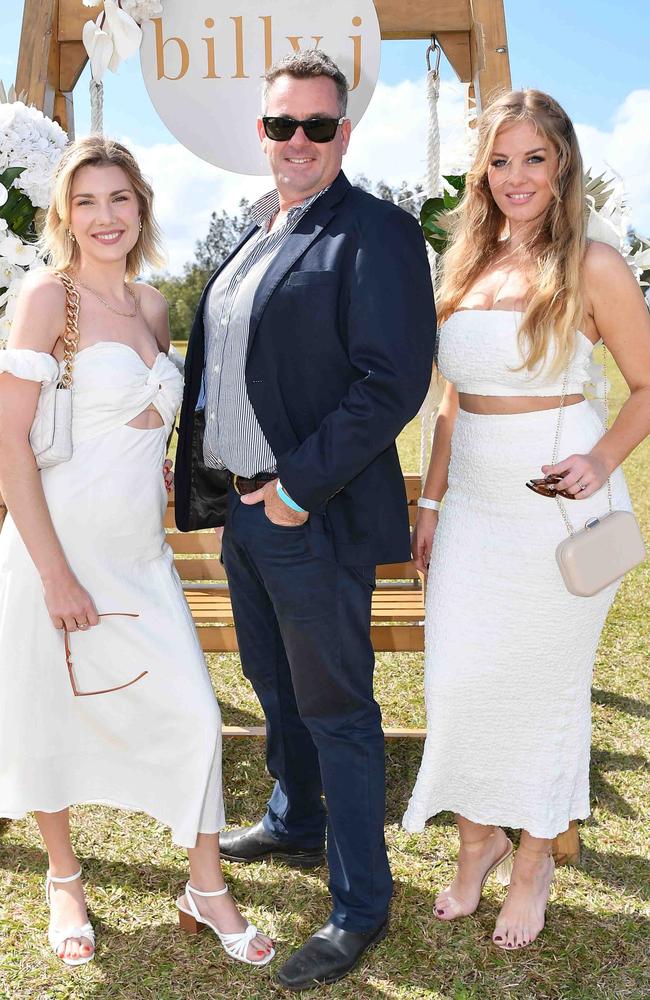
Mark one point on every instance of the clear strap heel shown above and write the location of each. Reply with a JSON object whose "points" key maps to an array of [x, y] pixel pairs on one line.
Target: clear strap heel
{"points": [[235, 945], [502, 869], [57, 936]]}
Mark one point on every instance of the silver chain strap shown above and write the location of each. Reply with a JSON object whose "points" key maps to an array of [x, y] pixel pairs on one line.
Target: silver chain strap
{"points": [[556, 446]]}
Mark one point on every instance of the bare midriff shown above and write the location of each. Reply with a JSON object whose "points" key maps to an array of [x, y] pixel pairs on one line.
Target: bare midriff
{"points": [[147, 420], [493, 405]]}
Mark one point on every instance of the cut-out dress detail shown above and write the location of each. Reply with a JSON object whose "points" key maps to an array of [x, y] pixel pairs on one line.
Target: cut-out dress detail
{"points": [[153, 747]]}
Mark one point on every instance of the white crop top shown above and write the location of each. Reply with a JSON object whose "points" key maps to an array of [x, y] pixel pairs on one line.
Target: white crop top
{"points": [[479, 351]]}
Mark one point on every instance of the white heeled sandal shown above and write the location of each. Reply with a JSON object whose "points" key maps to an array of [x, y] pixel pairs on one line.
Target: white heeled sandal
{"points": [[57, 937], [235, 945]]}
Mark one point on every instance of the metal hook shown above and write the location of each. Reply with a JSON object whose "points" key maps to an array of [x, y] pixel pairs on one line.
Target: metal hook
{"points": [[435, 48]]}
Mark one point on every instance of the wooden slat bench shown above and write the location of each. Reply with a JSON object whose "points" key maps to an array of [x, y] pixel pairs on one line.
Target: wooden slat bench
{"points": [[397, 623]]}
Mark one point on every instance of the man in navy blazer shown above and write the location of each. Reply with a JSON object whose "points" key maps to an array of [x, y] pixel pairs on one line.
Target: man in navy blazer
{"points": [[311, 349]]}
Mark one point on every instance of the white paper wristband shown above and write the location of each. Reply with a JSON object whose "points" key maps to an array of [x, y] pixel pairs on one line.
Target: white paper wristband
{"points": [[429, 504]]}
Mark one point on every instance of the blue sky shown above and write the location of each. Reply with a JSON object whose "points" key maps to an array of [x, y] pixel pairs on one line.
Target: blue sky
{"points": [[592, 55], [588, 53]]}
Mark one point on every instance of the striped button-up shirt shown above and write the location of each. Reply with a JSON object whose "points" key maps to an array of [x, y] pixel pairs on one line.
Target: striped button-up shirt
{"points": [[233, 437]]}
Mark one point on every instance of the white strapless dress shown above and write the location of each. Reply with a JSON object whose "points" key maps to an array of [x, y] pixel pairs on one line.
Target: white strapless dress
{"points": [[509, 652], [155, 746]]}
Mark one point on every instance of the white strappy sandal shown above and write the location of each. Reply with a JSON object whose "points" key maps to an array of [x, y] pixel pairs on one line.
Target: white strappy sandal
{"points": [[235, 945], [57, 937]]}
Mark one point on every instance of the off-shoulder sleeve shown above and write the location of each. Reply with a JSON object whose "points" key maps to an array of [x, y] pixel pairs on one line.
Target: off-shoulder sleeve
{"points": [[34, 366]]}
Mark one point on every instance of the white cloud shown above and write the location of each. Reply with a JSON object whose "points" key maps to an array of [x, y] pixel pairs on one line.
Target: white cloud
{"points": [[389, 144], [187, 191], [625, 151]]}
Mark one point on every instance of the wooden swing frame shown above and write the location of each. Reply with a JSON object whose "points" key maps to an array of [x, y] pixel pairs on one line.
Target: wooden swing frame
{"points": [[471, 33]]}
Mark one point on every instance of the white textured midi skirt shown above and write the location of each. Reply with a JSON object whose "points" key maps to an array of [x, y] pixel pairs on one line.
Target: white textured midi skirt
{"points": [[509, 652]]}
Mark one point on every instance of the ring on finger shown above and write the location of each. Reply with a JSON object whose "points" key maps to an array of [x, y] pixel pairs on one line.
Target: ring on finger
{"points": [[581, 486], [82, 625]]}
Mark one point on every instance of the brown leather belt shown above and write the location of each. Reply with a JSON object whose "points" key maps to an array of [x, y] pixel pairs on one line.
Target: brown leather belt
{"points": [[243, 486]]}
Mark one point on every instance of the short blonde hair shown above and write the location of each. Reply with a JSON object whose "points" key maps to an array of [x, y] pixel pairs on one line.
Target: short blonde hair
{"points": [[97, 151]]}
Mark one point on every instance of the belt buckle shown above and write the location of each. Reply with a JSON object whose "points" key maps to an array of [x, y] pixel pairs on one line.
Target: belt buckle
{"points": [[235, 477]]}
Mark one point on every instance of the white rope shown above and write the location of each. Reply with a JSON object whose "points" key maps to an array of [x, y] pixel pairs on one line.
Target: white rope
{"points": [[430, 406], [433, 138], [96, 107]]}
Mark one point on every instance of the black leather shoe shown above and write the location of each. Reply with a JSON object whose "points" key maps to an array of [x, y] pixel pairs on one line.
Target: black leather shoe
{"points": [[327, 956], [254, 843]]}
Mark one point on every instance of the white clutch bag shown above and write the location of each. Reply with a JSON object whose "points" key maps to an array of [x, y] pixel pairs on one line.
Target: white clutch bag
{"points": [[51, 432], [605, 549]]}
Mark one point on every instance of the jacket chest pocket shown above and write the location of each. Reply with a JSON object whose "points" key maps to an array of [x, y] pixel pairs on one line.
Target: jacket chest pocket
{"points": [[304, 281]]}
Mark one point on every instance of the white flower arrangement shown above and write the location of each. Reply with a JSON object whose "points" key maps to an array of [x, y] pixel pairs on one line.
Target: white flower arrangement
{"points": [[31, 146], [610, 223], [115, 35], [29, 139]]}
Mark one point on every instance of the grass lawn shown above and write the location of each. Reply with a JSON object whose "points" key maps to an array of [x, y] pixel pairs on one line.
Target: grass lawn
{"points": [[595, 946]]}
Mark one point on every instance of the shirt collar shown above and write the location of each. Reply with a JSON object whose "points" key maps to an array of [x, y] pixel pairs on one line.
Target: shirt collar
{"points": [[266, 207]]}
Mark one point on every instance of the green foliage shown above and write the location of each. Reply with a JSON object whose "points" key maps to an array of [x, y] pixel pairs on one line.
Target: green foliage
{"points": [[435, 212], [406, 197], [182, 294], [599, 188], [184, 291], [18, 209], [595, 944]]}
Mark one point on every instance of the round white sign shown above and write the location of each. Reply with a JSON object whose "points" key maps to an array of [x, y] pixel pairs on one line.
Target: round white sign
{"points": [[203, 64]]}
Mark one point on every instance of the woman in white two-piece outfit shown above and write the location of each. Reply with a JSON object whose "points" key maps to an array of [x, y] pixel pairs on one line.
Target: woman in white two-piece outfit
{"points": [[85, 539], [524, 299]]}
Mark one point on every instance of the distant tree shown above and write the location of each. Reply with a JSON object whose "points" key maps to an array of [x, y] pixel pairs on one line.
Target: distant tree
{"points": [[223, 232], [410, 199], [184, 291]]}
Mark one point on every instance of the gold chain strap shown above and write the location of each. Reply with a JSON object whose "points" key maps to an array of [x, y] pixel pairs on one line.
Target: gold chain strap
{"points": [[71, 333], [556, 446]]}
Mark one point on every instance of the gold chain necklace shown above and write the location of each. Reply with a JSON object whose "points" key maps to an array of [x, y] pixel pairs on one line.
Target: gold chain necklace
{"points": [[108, 305]]}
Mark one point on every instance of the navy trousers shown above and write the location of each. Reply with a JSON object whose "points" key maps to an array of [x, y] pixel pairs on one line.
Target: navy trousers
{"points": [[303, 627]]}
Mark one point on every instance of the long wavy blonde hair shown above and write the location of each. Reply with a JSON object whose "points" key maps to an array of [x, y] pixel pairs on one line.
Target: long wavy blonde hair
{"points": [[555, 306], [97, 151]]}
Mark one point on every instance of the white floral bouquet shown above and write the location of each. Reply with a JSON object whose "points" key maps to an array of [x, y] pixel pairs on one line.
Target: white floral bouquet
{"points": [[609, 222], [31, 146]]}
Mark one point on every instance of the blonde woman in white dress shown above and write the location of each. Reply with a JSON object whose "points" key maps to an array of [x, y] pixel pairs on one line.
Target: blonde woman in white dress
{"points": [[86, 538], [524, 299]]}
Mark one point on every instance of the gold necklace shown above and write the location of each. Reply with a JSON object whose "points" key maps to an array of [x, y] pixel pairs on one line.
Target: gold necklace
{"points": [[108, 305]]}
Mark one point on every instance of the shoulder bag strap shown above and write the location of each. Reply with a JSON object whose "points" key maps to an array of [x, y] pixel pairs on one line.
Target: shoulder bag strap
{"points": [[71, 333]]}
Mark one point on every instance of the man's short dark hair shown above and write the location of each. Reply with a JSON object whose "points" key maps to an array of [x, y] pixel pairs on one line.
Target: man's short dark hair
{"points": [[307, 66]]}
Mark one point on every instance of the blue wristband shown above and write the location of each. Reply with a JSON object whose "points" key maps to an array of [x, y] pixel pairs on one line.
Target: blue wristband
{"points": [[287, 499]]}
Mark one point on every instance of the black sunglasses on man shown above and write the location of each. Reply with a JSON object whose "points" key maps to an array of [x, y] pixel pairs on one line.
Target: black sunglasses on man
{"points": [[281, 128]]}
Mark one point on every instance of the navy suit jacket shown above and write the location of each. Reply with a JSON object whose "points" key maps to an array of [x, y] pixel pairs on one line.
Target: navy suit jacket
{"points": [[339, 359]]}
